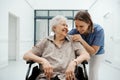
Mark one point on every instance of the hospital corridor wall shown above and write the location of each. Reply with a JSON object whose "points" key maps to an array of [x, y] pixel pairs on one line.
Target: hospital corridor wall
{"points": [[16, 30], [106, 13]]}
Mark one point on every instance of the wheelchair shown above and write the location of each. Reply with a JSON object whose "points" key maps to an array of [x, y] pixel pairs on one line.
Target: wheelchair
{"points": [[80, 72]]}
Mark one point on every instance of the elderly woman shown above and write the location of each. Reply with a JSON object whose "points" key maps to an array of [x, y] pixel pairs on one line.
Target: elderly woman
{"points": [[57, 53]]}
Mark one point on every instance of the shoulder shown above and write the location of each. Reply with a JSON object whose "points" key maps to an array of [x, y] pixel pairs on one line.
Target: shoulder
{"points": [[69, 37], [98, 28], [75, 43], [43, 41]]}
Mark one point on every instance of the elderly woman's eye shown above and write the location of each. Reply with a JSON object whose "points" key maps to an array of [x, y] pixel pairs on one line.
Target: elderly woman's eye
{"points": [[65, 25]]}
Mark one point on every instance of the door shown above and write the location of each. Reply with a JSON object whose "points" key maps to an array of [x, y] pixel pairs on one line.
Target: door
{"points": [[12, 37]]}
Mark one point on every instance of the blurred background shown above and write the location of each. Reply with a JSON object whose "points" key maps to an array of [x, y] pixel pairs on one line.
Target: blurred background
{"points": [[24, 22]]}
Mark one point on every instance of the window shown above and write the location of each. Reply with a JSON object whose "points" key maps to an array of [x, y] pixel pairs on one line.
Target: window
{"points": [[42, 18]]}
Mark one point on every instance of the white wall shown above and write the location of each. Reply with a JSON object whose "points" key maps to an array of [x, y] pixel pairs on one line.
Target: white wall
{"points": [[61, 4], [25, 14], [106, 13]]}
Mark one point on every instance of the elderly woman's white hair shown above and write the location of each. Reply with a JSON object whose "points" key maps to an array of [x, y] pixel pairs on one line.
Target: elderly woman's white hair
{"points": [[56, 20]]}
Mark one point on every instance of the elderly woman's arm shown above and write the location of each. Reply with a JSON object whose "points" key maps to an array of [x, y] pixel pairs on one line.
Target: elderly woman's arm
{"points": [[84, 55], [48, 69], [29, 55], [71, 67]]}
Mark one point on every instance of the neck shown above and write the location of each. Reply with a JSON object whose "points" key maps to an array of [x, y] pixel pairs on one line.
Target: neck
{"points": [[59, 38]]}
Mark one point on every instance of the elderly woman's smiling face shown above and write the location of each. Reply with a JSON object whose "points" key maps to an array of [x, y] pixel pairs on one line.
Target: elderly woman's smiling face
{"points": [[61, 28]]}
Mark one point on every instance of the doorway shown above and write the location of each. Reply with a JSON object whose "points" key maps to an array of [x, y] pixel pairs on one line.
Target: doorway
{"points": [[13, 37]]}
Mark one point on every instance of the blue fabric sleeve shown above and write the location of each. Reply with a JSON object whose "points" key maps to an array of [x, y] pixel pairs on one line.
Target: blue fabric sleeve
{"points": [[99, 38], [72, 32]]}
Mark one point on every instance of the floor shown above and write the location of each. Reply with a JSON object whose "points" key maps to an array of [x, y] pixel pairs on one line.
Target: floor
{"points": [[16, 70]]}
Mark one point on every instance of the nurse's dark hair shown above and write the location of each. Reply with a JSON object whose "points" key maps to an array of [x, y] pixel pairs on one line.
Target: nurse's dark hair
{"points": [[83, 15]]}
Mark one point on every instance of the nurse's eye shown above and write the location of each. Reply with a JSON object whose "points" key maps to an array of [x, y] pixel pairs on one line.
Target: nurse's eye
{"points": [[81, 26], [76, 26]]}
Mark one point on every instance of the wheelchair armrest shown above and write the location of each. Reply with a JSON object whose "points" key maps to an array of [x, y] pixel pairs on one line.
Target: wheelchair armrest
{"points": [[29, 67], [81, 71], [30, 62], [85, 62]]}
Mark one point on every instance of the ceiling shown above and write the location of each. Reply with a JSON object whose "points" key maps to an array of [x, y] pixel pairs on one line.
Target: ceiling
{"points": [[61, 4]]}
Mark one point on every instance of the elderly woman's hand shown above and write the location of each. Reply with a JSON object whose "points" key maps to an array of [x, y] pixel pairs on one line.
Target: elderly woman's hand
{"points": [[70, 71], [48, 69]]}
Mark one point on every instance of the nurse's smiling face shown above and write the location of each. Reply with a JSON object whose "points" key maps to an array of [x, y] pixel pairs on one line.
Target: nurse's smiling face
{"points": [[81, 26]]}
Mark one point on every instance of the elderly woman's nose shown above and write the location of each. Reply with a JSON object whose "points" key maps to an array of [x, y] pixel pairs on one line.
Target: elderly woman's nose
{"points": [[66, 26]]}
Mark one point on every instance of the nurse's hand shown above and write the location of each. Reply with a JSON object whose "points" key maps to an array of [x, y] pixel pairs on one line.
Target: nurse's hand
{"points": [[77, 37]]}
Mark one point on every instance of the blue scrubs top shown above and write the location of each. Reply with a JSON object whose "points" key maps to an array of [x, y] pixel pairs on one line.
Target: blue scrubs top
{"points": [[95, 38]]}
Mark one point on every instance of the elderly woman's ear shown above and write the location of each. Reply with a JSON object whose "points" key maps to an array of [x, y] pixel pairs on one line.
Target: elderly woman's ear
{"points": [[53, 28]]}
